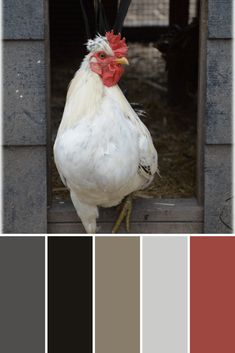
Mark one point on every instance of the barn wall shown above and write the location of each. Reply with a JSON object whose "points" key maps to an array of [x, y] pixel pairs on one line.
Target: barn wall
{"points": [[218, 114], [25, 116]]}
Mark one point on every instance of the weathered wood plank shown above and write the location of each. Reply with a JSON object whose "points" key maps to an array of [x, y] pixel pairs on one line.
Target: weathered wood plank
{"points": [[24, 93], [148, 216], [218, 189], [23, 19], [219, 92], [136, 228], [220, 18], [25, 192], [144, 210], [202, 87]]}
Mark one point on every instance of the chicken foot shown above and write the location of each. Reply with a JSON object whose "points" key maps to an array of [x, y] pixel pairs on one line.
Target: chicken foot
{"points": [[124, 214]]}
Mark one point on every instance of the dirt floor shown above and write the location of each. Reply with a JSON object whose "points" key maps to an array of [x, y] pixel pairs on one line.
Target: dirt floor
{"points": [[173, 129]]}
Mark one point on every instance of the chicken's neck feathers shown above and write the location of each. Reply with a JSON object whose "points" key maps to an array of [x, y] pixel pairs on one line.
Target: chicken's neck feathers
{"points": [[116, 93], [84, 98]]}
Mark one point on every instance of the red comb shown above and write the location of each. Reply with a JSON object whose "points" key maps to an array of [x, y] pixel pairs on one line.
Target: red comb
{"points": [[117, 44]]}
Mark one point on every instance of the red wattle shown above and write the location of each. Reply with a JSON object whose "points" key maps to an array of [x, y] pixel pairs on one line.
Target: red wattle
{"points": [[110, 74]]}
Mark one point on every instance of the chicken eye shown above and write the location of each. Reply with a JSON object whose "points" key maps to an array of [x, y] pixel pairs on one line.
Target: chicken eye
{"points": [[102, 55]]}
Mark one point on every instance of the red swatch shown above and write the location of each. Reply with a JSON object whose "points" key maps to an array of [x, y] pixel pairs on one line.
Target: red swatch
{"points": [[212, 276]]}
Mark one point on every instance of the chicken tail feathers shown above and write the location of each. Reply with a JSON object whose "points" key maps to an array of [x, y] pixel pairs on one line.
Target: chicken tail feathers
{"points": [[95, 18], [121, 15], [101, 19], [85, 10], [139, 110]]}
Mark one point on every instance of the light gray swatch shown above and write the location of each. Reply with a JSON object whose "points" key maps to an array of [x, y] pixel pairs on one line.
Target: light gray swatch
{"points": [[164, 294]]}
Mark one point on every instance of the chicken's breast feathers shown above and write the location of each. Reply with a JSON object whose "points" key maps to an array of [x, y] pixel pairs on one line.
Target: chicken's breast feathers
{"points": [[148, 157]]}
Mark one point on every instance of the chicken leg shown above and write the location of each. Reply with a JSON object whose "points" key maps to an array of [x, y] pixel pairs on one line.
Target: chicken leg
{"points": [[124, 214]]}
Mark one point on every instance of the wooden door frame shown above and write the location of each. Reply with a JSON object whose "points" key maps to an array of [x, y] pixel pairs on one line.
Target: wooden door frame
{"points": [[177, 216]]}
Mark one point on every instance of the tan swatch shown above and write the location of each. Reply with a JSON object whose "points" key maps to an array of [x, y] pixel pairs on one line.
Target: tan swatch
{"points": [[117, 295]]}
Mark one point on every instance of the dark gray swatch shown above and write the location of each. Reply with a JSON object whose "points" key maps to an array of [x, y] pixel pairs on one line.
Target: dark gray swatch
{"points": [[22, 294]]}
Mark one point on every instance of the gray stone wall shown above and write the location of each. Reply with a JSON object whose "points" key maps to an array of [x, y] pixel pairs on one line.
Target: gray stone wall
{"points": [[218, 118], [25, 116]]}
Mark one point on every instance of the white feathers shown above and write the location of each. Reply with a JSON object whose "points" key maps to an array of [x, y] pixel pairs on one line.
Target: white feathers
{"points": [[103, 151], [98, 44], [83, 98]]}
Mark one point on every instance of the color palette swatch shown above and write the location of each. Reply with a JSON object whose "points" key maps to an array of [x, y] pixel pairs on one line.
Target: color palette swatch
{"points": [[164, 299], [22, 294], [70, 294], [212, 294], [138, 294], [117, 290]]}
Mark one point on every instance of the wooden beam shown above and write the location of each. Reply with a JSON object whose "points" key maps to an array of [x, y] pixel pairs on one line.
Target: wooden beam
{"points": [[148, 216], [143, 33], [136, 228], [151, 210]]}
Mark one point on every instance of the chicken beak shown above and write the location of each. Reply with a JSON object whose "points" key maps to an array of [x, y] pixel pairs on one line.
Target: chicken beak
{"points": [[122, 61]]}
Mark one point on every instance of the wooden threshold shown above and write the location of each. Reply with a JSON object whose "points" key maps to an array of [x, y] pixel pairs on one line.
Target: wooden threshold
{"points": [[155, 216]]}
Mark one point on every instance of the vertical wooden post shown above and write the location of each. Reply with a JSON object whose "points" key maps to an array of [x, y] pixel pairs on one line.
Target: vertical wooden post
{"points": [[217, 121], [179, 12]]}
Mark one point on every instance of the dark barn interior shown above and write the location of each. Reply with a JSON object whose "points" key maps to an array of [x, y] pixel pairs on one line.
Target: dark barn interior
{"points": [[163, 40]]}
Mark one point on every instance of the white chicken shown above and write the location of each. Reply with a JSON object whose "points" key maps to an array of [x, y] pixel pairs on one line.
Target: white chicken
{"points": [[103, 151]]}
